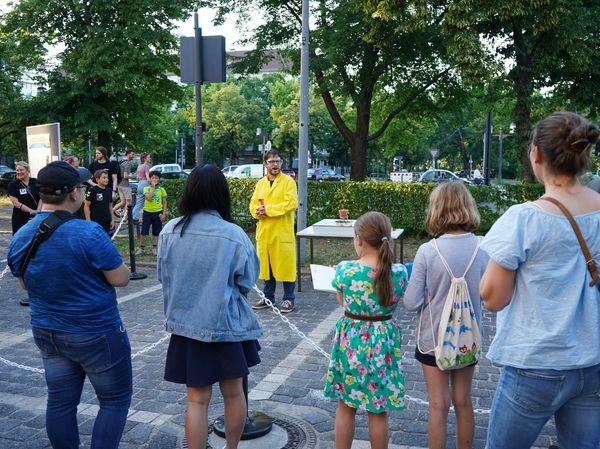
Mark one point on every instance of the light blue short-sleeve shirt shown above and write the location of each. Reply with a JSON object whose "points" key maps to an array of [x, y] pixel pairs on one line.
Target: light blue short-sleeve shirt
{"points": [[553, 319]]}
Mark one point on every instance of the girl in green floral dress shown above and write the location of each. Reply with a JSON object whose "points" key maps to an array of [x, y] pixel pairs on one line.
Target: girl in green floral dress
{"points": [[366, 363]]}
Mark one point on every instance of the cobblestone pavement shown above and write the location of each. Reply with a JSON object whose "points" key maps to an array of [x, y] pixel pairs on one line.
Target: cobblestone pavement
{"points": [[287, 383]]}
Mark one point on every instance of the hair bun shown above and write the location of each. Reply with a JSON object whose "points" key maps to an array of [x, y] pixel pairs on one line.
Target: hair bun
{"points": [[582, 138]]}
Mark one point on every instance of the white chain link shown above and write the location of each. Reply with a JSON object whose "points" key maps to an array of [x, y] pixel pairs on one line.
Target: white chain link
{"points": [[6, 268], [4, 272], [292, 326], [277, 312], [150, 347], [41, 370], [25, 367], [303, 336], [119, 226]]}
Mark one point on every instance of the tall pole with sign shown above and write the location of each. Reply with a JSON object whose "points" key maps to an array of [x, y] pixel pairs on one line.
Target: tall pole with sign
{"points": [[198, 88], [303, 131], [202, 60]]}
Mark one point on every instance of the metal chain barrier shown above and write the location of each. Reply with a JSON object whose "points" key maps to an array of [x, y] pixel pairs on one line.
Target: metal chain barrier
{"points": [[292, 326], [303, 336], [6, 268], [41, 370], [123, 217], [151, 347], [275, 310], [24, 367]]}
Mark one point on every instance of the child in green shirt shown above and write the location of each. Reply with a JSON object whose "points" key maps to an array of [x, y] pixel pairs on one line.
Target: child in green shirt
{"points": [[155, 211]]}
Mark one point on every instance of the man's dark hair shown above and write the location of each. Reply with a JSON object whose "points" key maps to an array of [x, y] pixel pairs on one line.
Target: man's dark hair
{"points": [[54, 199], [205, 188], [154, 173], [129, 151], [271, 153]]}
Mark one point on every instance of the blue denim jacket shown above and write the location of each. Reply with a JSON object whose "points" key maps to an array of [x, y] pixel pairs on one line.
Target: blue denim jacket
{"points": [[206, 274]]}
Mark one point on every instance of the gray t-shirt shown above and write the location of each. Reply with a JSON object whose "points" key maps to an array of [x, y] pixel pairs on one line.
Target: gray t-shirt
{"points": [[125, 169], [429, 279]]}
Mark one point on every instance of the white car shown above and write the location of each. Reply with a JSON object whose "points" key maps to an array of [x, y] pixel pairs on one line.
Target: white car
{"points": [[246, 171], [439, 175], [167, 168], [227, 171]]}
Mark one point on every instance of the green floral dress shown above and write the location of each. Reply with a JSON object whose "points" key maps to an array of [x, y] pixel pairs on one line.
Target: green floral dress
{"points": [[366, 362]]}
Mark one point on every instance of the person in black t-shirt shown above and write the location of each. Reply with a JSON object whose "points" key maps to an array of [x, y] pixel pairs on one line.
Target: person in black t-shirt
{"points": [[102, 163], [24, 196], [98, 202]]}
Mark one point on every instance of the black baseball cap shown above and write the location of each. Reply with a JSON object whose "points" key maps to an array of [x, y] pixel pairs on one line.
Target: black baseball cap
{"points": [[60, 177]]}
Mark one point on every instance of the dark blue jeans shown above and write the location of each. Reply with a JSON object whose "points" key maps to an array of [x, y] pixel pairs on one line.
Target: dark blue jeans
{"points": [[68, 358], [288, 288], [526, 399]]}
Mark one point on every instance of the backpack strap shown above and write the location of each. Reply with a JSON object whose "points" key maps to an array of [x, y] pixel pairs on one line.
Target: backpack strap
{"points": [[434, 243], [48, 226], [589, 260]]}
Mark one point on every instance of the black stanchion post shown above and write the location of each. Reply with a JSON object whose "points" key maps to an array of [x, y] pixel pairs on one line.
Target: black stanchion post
{"points": [[134, 274], [257, 423]]}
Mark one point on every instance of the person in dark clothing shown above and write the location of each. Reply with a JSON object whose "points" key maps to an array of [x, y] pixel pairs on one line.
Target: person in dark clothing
{"points": [[102, 163], [24, 196], [98, 204]]}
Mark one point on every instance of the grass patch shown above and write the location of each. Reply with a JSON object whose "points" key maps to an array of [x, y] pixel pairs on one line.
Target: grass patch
{"points": [[5, 201]]}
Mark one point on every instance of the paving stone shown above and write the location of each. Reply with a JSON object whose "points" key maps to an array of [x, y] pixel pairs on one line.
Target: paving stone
{"points": [[138, 434], [289, 378]]}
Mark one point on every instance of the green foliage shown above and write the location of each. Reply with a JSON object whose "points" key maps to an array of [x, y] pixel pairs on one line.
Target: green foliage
{"points": [[355, 59], [231, 119], [404, 203], [110, 73]]}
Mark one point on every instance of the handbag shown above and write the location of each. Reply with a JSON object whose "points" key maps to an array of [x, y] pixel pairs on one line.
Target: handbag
{"points": [[589, 260]]}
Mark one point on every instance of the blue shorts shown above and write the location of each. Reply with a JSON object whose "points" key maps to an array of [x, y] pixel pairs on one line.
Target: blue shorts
{"points": [[151, 218]]}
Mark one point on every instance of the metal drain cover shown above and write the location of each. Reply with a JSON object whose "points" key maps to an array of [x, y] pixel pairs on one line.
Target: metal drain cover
{"points": [[288, 433]]}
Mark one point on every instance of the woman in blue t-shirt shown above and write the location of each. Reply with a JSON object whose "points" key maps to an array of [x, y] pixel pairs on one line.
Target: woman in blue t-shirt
{"points": [[548, 336]]}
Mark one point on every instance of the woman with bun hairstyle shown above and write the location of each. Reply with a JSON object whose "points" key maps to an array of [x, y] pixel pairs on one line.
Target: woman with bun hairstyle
{"points": [[548, 332]]}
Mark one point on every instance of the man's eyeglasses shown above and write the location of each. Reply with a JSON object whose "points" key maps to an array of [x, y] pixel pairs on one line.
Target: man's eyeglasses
{"points": [[274, 161]]}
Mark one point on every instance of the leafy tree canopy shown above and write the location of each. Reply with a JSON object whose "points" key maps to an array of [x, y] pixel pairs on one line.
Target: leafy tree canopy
{"points": [[110, 70]]}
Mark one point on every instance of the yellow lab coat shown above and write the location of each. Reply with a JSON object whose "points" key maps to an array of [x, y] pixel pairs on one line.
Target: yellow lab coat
{"points": [[275, 238]]}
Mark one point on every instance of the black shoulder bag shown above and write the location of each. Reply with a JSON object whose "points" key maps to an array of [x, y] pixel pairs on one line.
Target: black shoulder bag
{"points": [[48, 226]]}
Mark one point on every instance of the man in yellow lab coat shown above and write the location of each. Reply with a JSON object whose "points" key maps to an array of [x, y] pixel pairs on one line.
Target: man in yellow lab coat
{"points": [[273, 204]]}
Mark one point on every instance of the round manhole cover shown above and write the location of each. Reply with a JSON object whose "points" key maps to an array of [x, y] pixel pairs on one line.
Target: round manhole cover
{"points": [[287, 433]]}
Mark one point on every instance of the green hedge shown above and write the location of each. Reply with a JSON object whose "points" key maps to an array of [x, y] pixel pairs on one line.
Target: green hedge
{"points": [[404, 203]]}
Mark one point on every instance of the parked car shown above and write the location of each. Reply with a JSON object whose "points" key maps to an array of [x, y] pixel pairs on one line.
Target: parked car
{"points": [[327, 174], [5, 179], [227, 171], [245, 171], [5, 169], [290, 172], [164, 168], [439, 175], [310, 173]]}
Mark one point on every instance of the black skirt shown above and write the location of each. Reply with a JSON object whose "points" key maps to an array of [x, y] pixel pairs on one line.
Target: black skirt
{"points": [[199, 364]]}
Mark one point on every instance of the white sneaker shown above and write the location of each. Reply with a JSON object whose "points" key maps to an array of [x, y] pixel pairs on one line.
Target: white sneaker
{"points": [[140, 251]]}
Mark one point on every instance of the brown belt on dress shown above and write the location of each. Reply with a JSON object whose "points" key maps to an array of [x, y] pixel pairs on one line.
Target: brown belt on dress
{"points": [[368, 318]]}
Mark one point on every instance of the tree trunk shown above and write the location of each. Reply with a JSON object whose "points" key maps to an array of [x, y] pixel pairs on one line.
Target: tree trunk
{"points": [[358, 158], [523, 85], [358, 145], [104, 140]]}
